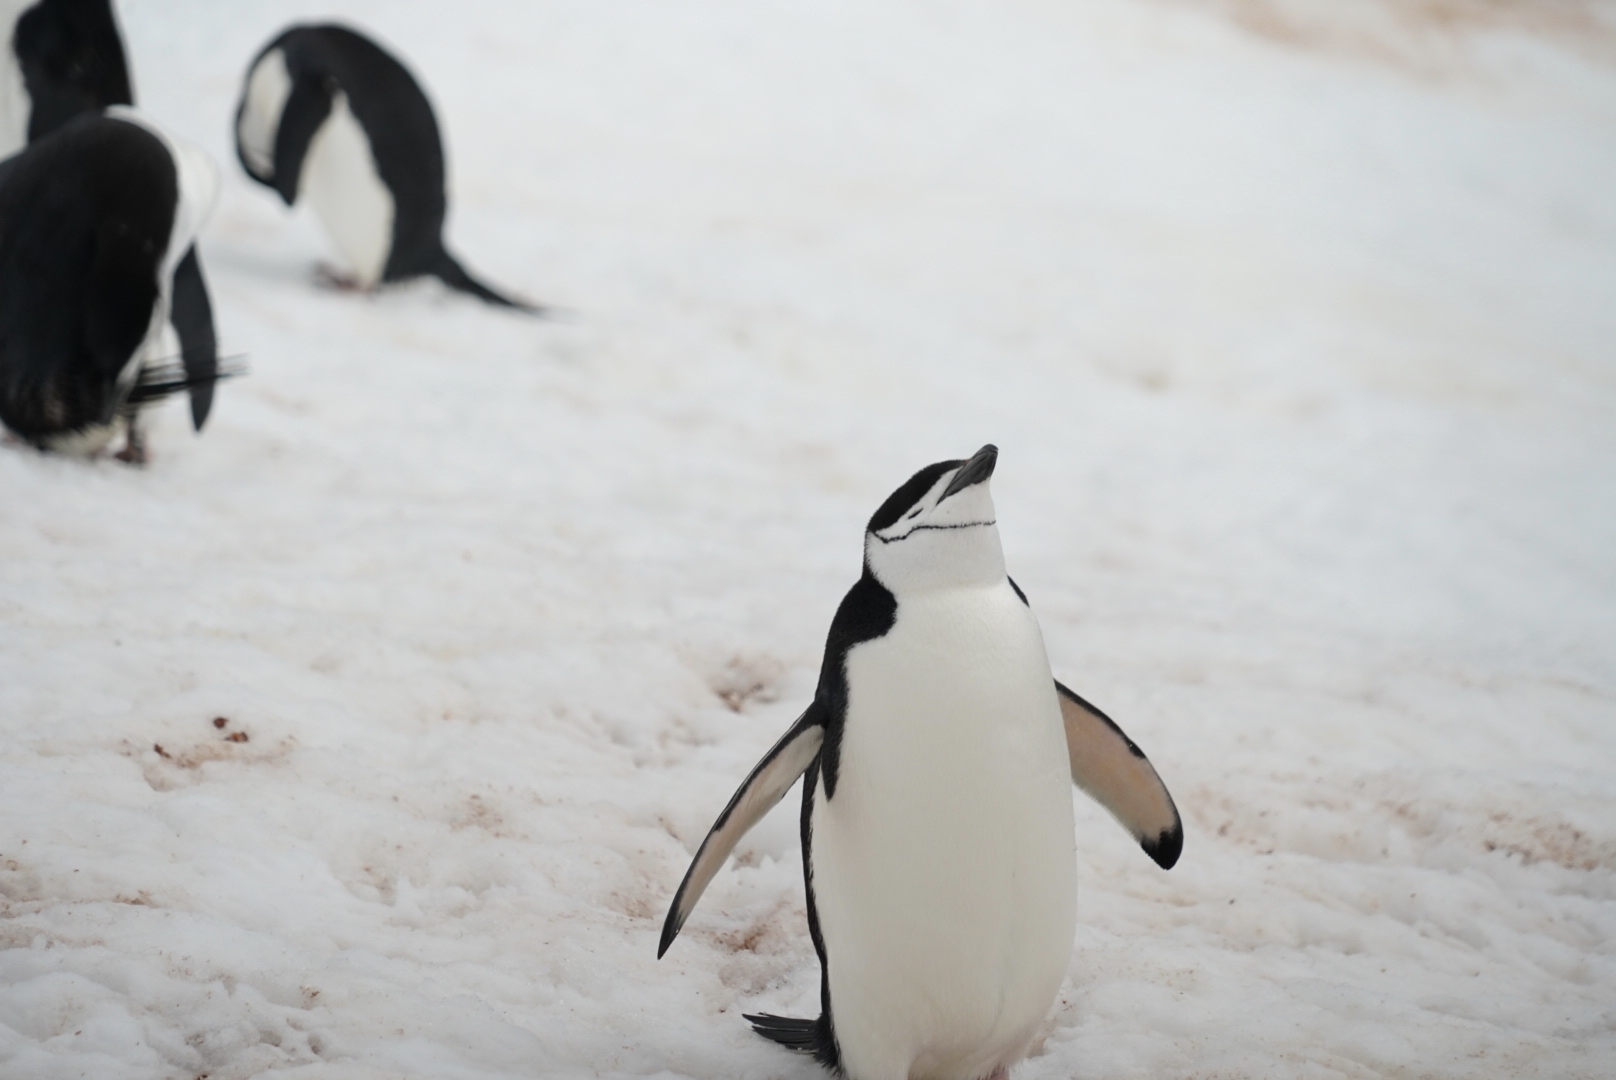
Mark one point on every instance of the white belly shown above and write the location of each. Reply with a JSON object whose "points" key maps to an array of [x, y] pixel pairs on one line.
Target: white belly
{"points": [[944, 871], [341, 183]]}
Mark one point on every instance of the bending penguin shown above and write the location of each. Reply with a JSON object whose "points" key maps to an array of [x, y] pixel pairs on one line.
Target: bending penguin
{"points": [[61, 58], [98, 223], [327, 113], [937, 828]]}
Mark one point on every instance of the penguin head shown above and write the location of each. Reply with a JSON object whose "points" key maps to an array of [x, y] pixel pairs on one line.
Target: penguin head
{"points": [[938, 530]]}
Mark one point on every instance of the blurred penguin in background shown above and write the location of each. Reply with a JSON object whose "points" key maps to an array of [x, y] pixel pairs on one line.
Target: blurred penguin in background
{"points": [[328, 114], [60, 58], [98, 222]]}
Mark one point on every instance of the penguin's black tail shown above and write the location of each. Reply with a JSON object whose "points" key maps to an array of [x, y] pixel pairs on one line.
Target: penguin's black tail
{"points": [[160, 380], [803, 1036], [448, 270]]}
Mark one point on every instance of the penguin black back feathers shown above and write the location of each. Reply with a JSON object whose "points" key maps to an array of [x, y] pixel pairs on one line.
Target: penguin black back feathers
{"points": [[937, 829], [329, 115], [97, 229], [62, 58]]}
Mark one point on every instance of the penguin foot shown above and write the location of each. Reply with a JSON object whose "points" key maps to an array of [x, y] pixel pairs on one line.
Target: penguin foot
{"points": [[134, 450], [329, 277]]}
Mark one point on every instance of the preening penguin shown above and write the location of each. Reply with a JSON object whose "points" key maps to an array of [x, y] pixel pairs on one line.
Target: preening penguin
{"points": [[98, 222], [61, 58], [937, 829], [327, 113]]}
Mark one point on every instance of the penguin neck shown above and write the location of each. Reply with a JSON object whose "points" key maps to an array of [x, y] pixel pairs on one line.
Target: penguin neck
{"points": [[936, 560]]}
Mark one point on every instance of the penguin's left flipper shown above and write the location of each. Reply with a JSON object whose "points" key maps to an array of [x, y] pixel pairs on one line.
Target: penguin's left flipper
{"points": [[766, 786], [192, 315], [1116, 774]]}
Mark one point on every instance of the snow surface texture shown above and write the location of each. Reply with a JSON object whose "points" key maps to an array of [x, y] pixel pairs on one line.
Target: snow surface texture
{"points": [[1300, 359]]}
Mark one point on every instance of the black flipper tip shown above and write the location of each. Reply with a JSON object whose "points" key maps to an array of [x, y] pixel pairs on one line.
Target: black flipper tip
{"points": [[1166, 846], [669, 932], [201, 405]]}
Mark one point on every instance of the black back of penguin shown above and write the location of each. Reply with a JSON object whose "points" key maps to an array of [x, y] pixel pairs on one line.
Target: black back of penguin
{"points": [[399, 125], [71, 59], [87, 215]]}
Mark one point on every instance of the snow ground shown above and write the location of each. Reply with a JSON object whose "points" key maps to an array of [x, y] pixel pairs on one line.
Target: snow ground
{"points": [[1300, 362]]}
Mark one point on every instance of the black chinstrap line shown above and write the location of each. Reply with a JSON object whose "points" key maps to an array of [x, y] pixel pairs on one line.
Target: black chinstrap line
{"points": [[923, 528]]}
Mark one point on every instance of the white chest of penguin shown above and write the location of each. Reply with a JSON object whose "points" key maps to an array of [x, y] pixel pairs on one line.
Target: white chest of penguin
{"points": [[944, 868], [348, 196]]}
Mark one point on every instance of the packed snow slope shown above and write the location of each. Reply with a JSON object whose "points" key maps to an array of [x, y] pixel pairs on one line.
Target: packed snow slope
{"points": [[1300, 359]]}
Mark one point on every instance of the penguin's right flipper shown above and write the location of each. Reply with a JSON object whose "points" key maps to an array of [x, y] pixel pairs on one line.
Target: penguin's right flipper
{"points": [[448, 270], [1111, 769], [306, 109], [192, 315], [766, 786]]}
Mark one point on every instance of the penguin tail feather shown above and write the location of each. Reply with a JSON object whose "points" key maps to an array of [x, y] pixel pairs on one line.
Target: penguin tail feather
{"points": [[803, 1036], [448, 270], [160, 380]]}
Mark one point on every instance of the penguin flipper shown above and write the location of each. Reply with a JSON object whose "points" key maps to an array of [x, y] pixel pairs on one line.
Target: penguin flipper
{"points": [[767, 785], [1113, 771], [192, 315]]}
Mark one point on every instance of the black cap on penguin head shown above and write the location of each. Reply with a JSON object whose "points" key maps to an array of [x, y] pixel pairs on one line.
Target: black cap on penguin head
{"points": [[973, 471], [909, 494]]}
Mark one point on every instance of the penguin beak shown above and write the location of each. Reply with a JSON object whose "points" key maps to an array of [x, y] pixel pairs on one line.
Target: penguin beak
{"points": [[973, 472]]}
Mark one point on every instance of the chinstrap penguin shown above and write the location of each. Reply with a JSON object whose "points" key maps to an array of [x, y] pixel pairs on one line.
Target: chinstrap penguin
{"points": [[328, 114], [98, 222], [60, 58], [937, 827]]}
